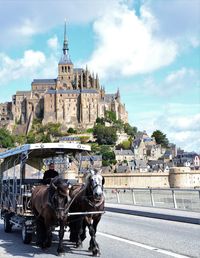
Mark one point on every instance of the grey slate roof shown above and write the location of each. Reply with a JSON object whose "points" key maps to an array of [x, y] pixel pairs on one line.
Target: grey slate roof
{"points": [[136, 143], [123, 152], [109, 97], [140, 163], [22, 92], [44, 81], [63, 91], [72, 91], [89, 91], [155, 162], [88, 158], [122, 169], [79, 70], [65, 59]]}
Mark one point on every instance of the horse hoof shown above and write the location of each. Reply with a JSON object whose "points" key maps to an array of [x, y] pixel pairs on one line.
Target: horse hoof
{"points": [[79, 246], [96, 253], [41, 245], [61, 252]]}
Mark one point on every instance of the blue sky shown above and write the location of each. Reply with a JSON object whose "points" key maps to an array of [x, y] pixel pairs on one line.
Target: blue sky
{"points": [[148, 49]]}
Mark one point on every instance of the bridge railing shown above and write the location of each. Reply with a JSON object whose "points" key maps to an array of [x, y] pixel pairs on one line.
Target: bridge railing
{"points": [[172, 198]]}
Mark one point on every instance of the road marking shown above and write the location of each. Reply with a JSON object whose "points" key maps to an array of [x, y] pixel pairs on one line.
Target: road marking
{"points": [[155, 249]]}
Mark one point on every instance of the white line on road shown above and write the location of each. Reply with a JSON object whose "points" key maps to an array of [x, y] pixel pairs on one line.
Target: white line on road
{"points": [[155, 249]]}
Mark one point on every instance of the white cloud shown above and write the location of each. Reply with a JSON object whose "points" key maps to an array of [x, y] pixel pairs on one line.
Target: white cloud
{"points": [[53, 42], [22, 19], [32, 59], [26, 28], [176, 82], [29, 65], [184, 131], [178, 19], [126, 44]]}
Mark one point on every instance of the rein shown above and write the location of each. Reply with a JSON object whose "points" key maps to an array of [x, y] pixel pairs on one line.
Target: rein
{"points": [[95, 203]]}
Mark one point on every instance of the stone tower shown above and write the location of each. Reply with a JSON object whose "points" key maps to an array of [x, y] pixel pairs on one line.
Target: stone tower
{"points": [[65, 67]]}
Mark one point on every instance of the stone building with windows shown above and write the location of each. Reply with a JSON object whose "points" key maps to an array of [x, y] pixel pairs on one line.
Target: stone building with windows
{"points": [[75, 99]]}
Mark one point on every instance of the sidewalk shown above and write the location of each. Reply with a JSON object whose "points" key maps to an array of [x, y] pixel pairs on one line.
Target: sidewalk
{"points": [[152, 212]]}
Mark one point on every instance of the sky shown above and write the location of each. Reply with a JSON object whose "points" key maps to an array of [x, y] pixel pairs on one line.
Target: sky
{"points": [[148, 49]]}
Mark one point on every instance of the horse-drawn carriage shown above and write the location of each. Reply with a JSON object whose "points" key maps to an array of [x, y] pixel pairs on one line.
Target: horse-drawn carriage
{"points": [[21, 172]]}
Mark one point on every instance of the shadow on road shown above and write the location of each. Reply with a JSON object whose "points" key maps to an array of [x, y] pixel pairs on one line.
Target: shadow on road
{"points": [[11, 245]]}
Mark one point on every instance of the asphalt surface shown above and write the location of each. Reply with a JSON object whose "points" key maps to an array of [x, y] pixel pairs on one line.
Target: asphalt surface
{"points": [[158, 213]]}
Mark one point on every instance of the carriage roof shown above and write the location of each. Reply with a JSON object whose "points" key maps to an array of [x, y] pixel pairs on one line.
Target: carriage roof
{"points": [[39, 151]]}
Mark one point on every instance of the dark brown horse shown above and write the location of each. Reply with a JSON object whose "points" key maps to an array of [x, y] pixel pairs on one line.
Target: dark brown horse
{"points": [[49, 205], [86, 198]]}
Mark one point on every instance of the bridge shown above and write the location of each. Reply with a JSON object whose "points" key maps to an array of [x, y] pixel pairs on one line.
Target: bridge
{"points": [[160, 230]]}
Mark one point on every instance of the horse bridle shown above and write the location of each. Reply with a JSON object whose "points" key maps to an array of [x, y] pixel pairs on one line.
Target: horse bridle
{"points": [[95, 202], [52, 197]]}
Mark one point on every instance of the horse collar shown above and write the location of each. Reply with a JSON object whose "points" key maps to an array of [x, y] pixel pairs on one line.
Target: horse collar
{"points": [[95, 203]]}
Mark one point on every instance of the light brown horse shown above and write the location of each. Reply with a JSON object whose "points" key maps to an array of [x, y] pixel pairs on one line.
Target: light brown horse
{"points": [[49, 207], [87, 198]]}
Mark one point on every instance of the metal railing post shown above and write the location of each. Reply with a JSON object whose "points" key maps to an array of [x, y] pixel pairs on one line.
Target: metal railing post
{"points": [[174, 199], [118, 199], [133, 197], [199, 195], [152, 199]]}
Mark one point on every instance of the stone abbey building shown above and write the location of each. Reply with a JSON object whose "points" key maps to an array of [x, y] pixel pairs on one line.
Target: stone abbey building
{"points": [[74, 99]]}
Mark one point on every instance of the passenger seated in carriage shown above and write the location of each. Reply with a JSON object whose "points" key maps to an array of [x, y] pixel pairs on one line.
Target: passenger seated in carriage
{"points": [[49, 174]]}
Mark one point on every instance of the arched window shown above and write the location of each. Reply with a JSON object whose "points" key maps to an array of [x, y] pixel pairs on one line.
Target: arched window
{"points": [[66, 69], [63, 69]]}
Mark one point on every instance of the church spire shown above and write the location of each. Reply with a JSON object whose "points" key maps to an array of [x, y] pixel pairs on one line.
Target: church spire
{"points": [[65, 42], [65, 58], [118, 94]]}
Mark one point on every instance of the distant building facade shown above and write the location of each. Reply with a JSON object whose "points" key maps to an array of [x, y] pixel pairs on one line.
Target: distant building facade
{"points": [[74, 99], [145, 148]]}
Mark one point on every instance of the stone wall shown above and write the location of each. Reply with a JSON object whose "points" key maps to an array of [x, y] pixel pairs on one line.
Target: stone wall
{"points": [[184, 177], [137, 180], [178, 177]]}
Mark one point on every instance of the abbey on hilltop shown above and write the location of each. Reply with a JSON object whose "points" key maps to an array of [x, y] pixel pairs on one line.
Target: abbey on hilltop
{"points": [[75, 99]]}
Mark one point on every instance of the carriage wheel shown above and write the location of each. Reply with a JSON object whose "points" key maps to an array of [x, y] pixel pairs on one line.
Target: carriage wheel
{"points": [[26, 236], [7, 224]]}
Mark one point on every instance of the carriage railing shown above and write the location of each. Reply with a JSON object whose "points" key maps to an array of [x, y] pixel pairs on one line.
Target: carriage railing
{"points": [[15, 195], [172, 198]]}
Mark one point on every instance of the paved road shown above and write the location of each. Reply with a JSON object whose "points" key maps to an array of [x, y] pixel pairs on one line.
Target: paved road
{"points": [[119, 235], [154, 212]]}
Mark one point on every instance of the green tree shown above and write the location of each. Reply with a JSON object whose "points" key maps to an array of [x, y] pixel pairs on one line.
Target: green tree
{"points": [[100, 120], [130, 130], [31, 138], [108, 156], [20, 139], [125, 145], [160, 138], [110, 116], [105, 135], [95, 148], [84, 139], [6, 139], [119, 125], [71, 130], [90, 130], [53, 129]]}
